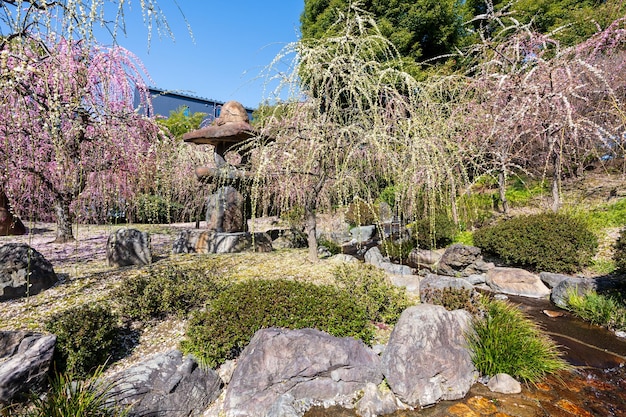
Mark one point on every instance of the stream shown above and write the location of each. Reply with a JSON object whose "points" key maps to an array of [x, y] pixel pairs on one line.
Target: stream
{"points": [[595, 387]]}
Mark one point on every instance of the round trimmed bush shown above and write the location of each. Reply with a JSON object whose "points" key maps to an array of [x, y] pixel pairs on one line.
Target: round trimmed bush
{"points": [[86, 336], [162, 290], [225, 328], [544, 242]]}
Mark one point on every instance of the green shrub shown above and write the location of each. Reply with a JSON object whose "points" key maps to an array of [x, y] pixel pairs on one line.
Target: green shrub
{"points": [[549, 242], [361, 213], [71, 397], [160, 290], [602, 310], [397, 251], [505, 341], [434, 233], [619, 254], [332, 246], [86, 336], [453, 299], [225, 328], [370, 287], [155, 209]]}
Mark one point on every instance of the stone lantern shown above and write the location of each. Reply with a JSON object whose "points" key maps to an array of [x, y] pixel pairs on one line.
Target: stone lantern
{"points": [[225, 208]]}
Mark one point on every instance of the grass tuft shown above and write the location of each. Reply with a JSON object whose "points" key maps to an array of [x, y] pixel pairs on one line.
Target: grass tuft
{"points": [[505, 341]]}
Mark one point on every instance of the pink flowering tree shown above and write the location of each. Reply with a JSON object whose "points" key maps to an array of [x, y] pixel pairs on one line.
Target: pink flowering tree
{"points": [[543, 109], [71, 144]]}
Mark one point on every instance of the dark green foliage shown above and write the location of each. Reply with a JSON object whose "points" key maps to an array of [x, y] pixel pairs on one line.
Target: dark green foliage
{"points": [[434, 233], [360, 213], [160, 290], [332, 246], [86, 338], [397, 251], [227, 325], [546, 242], [453, 299], [505, 341], [419, 29], [181, 121], [370, 287], [155, 209], [71, 397], [607, 310], [619, 254]]}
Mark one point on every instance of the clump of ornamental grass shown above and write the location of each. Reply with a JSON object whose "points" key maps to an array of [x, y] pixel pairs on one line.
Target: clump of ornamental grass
{"points": [[602, 310], [505, 341], [69, 396]]}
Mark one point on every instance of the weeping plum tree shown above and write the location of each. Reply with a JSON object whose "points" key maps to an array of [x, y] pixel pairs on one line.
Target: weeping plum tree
{"points": [[74, 19], [354, 121], [543, 108], [68, 129]]}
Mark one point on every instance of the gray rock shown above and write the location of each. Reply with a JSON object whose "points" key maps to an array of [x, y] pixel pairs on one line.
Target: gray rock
{"points": [[476, 279], [306, 364], [552, 280], [283, 407], [411, 283], [515, 281], [224, 211], [560, 292], [166, 384], [374, 257], [376, 403], [362, 234], [422, 258], [461, 259], [426, 359], [23, 271], [209, 241], [129, 247], [440, 282], [343, 258], [504, 384], [290, 239], [25, 360]]}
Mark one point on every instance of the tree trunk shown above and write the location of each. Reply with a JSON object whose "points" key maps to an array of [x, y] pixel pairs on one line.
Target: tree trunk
{"points": [[64, 221], [311, 230], [502, 191], [556, 186], [455, 214]]}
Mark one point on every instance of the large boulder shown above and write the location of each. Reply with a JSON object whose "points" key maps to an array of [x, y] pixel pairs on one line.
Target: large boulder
{"points": [[515, 281], [463, 260], [560, 293], [423, 258], [127, 247], [374, 257], [23, 271], [225, 211], [166, 384], [210, 241], [25, 360], [426, 359], [281, 368]]}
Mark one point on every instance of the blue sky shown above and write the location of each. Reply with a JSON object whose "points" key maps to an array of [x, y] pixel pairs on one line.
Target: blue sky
{"points": [[234, 41]]}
